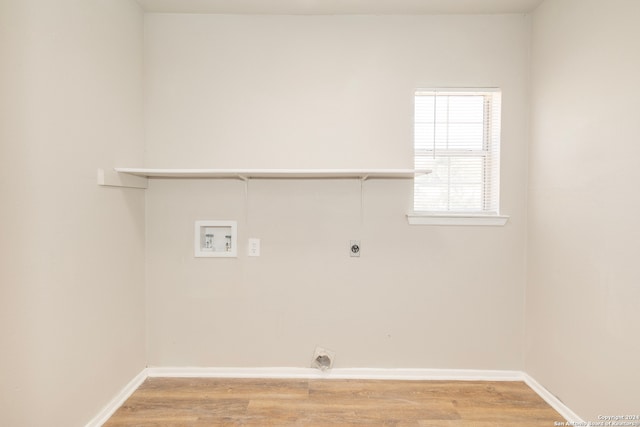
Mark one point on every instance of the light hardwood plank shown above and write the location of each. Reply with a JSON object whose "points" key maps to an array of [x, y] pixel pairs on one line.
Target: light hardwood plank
{"points": [[264, 402]]}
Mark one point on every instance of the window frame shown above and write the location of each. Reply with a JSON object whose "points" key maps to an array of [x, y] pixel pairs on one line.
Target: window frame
{"points": [[489, 215]]}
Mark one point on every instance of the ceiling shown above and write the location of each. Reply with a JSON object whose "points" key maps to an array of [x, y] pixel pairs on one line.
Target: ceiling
{"points": [[340, 7]]}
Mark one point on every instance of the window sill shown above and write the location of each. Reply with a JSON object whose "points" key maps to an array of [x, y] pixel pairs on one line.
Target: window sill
{"points": [[423, 218]]}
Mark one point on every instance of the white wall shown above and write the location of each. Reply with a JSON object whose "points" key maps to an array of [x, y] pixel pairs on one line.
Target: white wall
{"points": [[71, 253], [583, 293], [326, 91]]}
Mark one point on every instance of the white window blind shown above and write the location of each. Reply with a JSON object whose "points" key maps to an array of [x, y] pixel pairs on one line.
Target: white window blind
{"points": [[457, 136]]}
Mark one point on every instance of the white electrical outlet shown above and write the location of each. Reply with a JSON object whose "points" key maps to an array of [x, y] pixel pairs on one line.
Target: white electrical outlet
{"points": [[354, 248], [254, 247]]}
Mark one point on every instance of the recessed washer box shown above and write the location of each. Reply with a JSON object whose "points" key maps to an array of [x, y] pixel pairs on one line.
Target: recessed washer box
{"points": [[216, 239]]}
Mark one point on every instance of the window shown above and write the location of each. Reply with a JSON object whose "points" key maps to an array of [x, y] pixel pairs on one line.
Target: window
{"points": [[457, 137]]}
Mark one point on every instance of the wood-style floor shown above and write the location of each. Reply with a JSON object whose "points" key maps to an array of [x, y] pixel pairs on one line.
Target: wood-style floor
{"points": [[269, 402]]}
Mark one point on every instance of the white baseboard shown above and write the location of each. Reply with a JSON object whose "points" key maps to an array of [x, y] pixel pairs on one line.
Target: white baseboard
{"points": [[338, 373], [118, 400], [553, 401]]}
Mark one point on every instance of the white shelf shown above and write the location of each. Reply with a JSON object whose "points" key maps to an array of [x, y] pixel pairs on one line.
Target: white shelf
{"points": [[137, 177], [274, 173]]}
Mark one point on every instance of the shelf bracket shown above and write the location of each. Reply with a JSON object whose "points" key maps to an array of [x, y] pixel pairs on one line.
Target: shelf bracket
{"points": [[111, 178]]}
